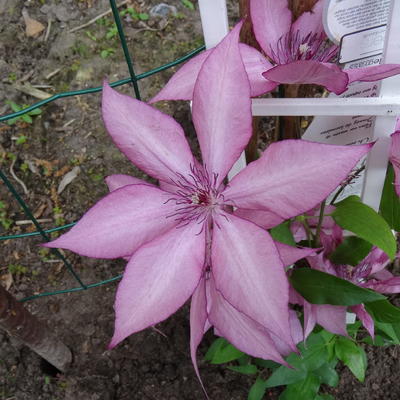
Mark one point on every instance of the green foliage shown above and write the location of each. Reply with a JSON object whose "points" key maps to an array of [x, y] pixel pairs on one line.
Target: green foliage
{"points": [[107, 52], [112, 32], [366, 223], [21, 139], [390, 202], [188, 4], [352, 356], [283, 234], [351, 251], [318, 287], [134, 14], [91, 36], [383, 311], [27, 117], [4, 220], [221, 351], [17, 269]]}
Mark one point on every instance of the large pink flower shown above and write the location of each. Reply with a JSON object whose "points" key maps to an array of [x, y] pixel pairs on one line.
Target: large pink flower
{"points": [[183, 238]]}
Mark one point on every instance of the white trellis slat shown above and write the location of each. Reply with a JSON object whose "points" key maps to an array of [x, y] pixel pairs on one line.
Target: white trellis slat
{"points": [[386, 107]]}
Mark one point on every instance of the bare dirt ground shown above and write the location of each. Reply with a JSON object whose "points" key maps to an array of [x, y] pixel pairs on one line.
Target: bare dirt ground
{"points": [[67, 134]]}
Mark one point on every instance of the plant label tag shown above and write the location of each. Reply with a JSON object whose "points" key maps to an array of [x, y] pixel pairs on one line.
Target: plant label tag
{"points": [[362, 44], [342, 17]]}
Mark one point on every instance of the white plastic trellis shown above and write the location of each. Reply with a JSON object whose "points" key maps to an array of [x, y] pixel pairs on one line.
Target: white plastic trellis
{"points": [[386, 107]]}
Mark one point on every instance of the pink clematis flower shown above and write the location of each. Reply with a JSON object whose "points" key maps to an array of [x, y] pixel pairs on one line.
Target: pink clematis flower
{"points": [[299, 48], [369, 273], [182, 238], [297, 53]]}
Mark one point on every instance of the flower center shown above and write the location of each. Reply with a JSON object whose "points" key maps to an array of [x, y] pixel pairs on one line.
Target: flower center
{"points": [[196, 197], [294, 47]]}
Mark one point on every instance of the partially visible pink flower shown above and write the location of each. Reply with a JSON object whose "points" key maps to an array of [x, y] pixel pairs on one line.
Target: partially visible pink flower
{"points": [[369, 273], [299, 49], [297, 53]]}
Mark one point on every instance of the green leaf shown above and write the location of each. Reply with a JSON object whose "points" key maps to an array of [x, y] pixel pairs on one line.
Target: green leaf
{"points": [[266, 363], [318, 287], [14, 106], [27, 118], [283, 234], [21, 139], [390, 202], [143, 16], [324, 396], [36, 111], [327, 374], [221, 351], [383, 311], [188, 4], [366, 223], [248, 369], [352, 356], [305, 390], [286, 376], [257, 390], [351, 251]]}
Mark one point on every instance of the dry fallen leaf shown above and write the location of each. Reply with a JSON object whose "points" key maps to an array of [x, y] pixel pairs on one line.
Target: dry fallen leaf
{"points": [[68, 178], [33, 28], [6, 280]]}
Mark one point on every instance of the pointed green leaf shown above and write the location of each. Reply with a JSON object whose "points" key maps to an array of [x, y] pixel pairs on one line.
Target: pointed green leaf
{"points": [[390, 202], [383, 311], [258, 389], [352, 356], [351, 251], [221, 351], [304, 390], [318, 287], [327, 374], [366, 223], [248, 369], [283, 234]]}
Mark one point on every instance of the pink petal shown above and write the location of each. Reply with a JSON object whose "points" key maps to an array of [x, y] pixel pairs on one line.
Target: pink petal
{"points": [[378, 260], [240, 330], [256, 64], [310, 318], [395, 159], [158, 280], [120, 223], [310, 71], [332, 318], [372, 74], [249, 273], [364, 317], [388, 286], [198, 323], [292, 176], [120, 180], [181, 84], [222, 107], [271, 20], [265, 219], [289, 254], [297, 334], [153, 141], [310, 22]]}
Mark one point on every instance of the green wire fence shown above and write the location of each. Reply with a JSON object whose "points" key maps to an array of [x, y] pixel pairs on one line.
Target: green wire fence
{"points": [[44, 233]]}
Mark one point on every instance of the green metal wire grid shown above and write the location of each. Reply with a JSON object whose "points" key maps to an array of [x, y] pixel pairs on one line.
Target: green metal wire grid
{"points": [[44, 233]]}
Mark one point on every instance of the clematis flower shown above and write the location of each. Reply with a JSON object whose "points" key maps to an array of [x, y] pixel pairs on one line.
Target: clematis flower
{"points": [[299, 50], [369, 273], [182, 238], [297, 53]]}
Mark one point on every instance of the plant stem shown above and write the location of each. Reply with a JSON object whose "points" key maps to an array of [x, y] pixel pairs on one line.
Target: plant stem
{"points": [[319, 226]]}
